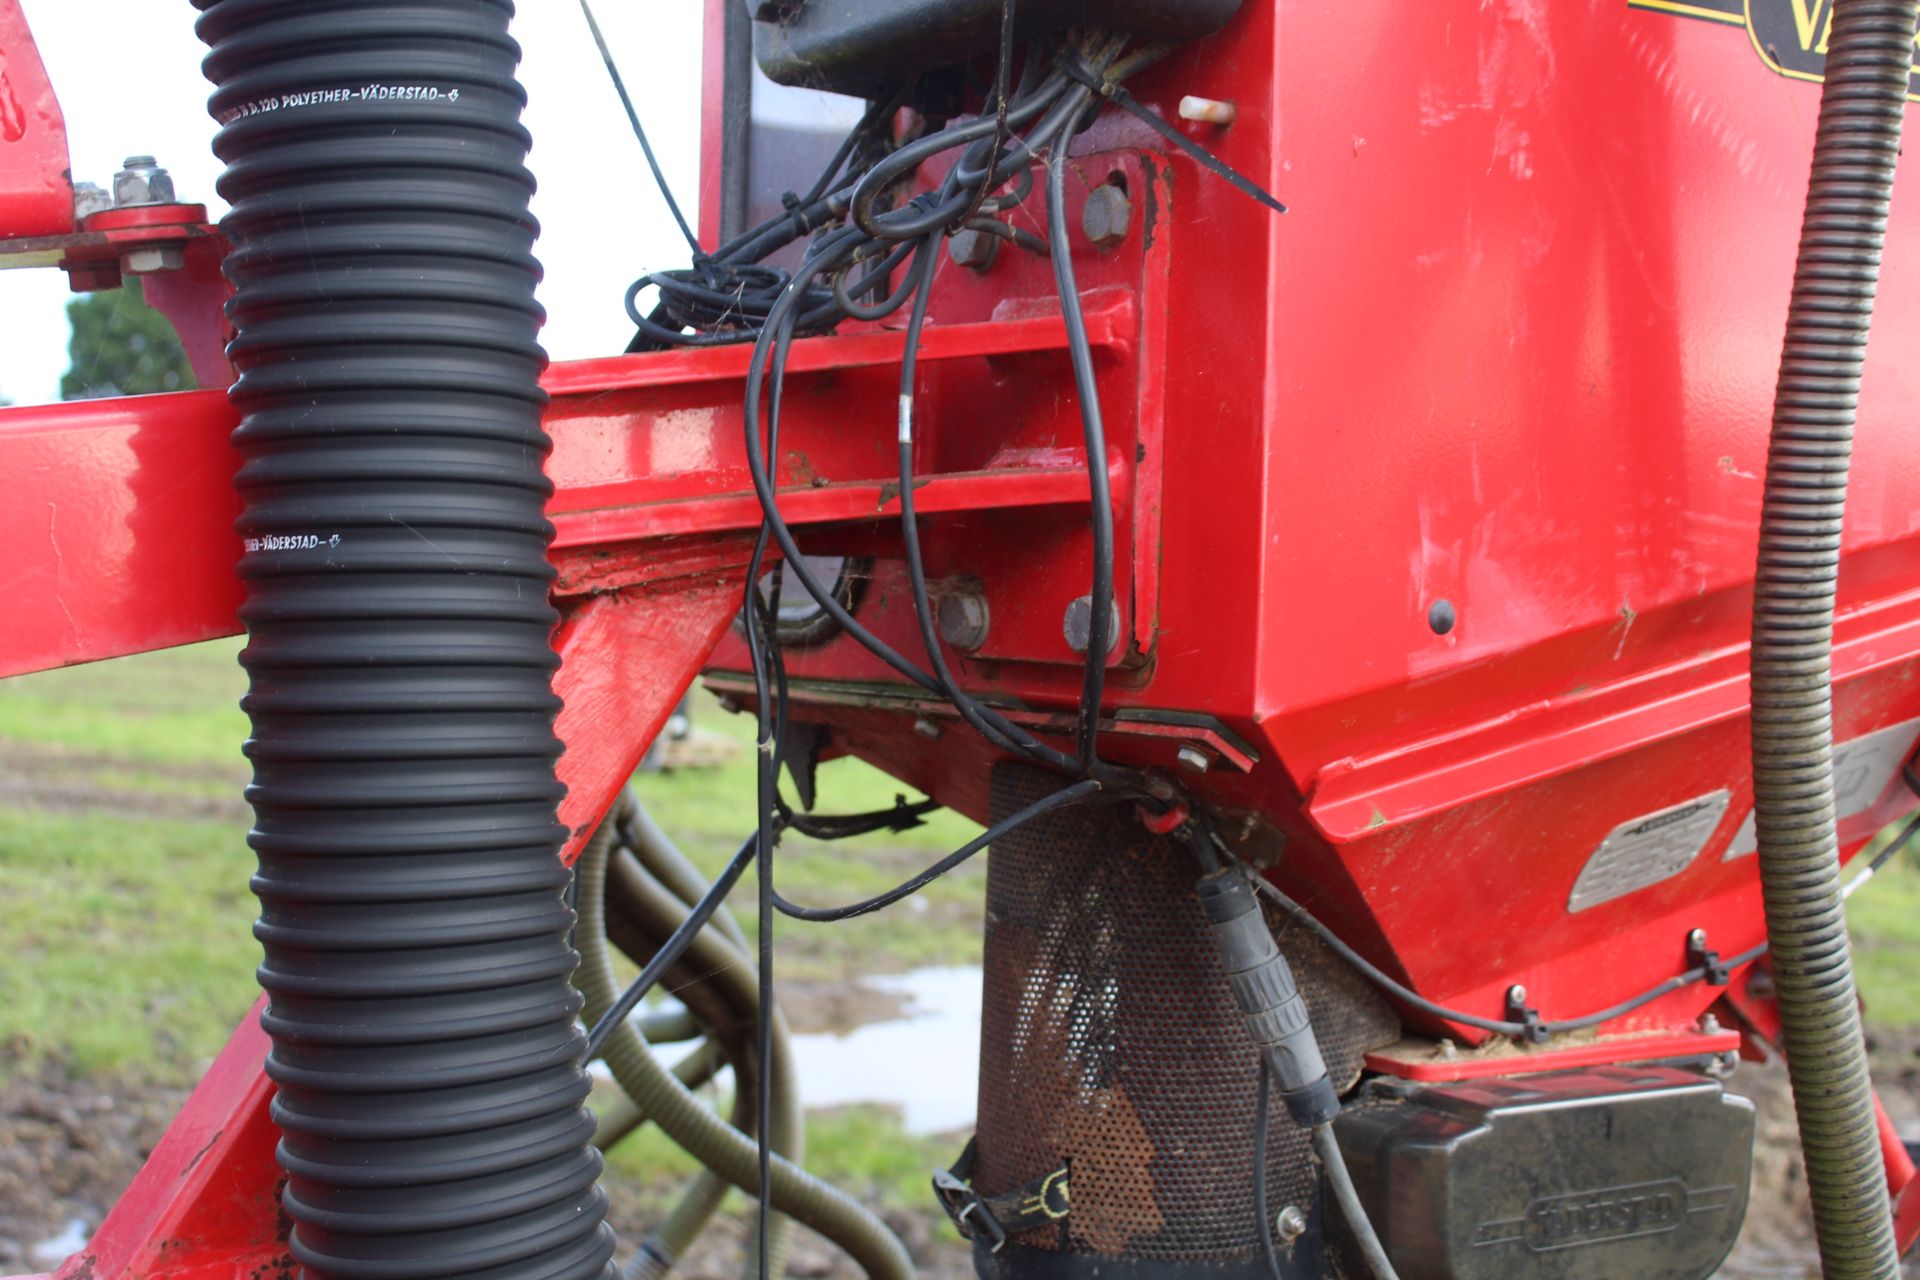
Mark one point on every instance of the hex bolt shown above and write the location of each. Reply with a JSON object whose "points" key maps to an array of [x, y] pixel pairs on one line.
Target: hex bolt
{"points": [[90, 198], [142, 181], [148, 262], [975, 250], [926, 729], [1106, 215], [1290, 1224], [1448, 1051], [964, 620], [1709, 1025], [1078, 625], [1194, 760], [1517, 996]]}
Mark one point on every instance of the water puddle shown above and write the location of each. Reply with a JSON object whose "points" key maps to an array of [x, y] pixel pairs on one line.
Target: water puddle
{"points": [[921, 1056], [925, 1062]]}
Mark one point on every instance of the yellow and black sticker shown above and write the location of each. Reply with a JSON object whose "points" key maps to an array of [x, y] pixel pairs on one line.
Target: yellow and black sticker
{"points": [[1789, 35]]}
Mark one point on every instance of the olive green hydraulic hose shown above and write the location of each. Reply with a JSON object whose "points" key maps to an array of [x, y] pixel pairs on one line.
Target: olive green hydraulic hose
{"points": [[1857, 144], [718, 1145]]}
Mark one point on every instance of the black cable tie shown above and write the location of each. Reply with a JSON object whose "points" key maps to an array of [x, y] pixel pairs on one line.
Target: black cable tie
{"points": [[1077, 69], [1532, 1029], [1700, 956]]}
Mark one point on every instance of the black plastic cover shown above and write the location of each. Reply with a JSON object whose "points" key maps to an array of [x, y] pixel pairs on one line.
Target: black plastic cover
{"points": [[853, 46], [1579, 1175]]}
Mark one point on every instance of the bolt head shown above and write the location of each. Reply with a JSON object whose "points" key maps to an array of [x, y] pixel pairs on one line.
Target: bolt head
{"points": [[964, 620], [1077, 626], [1194, 760], [1516, 994], [1106, 215], [926, 729], [1709, 1025], [147, 262], [974, 250], [1697, 939], [1290, 1224]]}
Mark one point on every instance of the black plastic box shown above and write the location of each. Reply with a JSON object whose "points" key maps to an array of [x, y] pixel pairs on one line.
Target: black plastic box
{"points": [[854, 46]]}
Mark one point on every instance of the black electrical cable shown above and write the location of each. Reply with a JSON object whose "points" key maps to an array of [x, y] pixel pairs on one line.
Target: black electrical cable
{"points": [[1497, 1026], [640, 132], [1002, 86], [1075, 794], [1262, 1109], [1080, 351], [1894, 848], [996, 729], [1340, 1181], [671, 951]]}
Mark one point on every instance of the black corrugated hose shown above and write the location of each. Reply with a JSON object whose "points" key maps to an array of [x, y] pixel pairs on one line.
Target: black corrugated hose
{"points": [[425, 1048], [1855, 151]]}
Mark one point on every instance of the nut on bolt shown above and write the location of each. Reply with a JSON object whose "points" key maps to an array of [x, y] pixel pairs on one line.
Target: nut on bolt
{"points": [[142, 181], [974, 249], [1194, 760], [964, 620], [1290, 1224], [148, 262], [1107, 214]]}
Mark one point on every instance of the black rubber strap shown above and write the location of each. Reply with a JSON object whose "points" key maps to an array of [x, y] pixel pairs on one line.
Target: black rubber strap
{"points": [[997, 1218], [1116, 94]]}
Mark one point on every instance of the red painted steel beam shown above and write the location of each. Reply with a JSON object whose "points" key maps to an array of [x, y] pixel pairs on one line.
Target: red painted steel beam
{"points": [[119, 536], [36, 184]]}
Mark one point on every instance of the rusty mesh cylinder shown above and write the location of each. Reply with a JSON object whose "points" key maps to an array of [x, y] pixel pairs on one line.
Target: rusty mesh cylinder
{"points": [[1111, 1043], [425, 1050]]}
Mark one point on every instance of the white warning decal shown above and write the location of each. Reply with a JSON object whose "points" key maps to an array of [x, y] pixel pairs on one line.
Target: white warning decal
{"points": [[1648, 849]]}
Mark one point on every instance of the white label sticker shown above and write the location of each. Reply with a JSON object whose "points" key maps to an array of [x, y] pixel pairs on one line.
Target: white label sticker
{"points": [[324, 97], [1863, 769], [1648, 849], [292, 542]]}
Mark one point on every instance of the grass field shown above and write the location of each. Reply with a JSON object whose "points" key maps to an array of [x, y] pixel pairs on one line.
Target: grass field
{"points": [[124, 863]]}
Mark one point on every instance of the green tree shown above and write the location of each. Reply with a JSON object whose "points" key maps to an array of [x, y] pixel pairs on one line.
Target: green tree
{"points": [[121, 347]]}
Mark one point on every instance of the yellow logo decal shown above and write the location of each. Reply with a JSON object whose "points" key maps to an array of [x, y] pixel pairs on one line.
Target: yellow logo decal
{"points": [[1790, 36]]}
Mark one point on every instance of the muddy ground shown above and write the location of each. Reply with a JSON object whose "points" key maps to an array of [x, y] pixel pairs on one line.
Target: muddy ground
{"points": [[68, 1148]]}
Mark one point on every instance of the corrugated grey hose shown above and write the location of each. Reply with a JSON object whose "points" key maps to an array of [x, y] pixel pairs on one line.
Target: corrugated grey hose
{"points": [[1841, 239]]}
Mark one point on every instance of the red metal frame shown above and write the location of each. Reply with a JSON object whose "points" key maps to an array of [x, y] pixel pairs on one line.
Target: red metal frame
{"points": [[1512, 349]]}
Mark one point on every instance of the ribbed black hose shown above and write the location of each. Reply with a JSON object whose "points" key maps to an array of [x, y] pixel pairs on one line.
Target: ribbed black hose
{"points": [[415, 934], [1841, 239]]}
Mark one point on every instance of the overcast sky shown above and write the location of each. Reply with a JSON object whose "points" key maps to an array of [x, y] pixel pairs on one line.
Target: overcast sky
{"points": [[127, 73]]}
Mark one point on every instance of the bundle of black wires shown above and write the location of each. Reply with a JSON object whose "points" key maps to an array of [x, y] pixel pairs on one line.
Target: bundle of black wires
{"points": [[872, 249]]}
